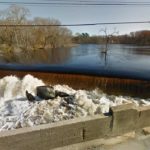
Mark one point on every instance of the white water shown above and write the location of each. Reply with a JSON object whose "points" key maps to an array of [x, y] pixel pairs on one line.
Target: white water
{"points": [[17, 112]]}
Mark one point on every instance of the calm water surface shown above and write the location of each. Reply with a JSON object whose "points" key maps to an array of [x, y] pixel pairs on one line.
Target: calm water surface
{"points": [[121, 60]]}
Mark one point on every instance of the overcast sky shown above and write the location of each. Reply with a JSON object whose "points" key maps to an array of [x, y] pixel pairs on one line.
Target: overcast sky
{"points": [[93, 14]]}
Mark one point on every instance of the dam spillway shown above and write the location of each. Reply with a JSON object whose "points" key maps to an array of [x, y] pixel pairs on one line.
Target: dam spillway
{"points": [[124, 71], [115, 83]]}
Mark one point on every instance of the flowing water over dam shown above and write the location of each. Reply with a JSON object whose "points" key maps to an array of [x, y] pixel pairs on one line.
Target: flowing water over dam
{"points": [[18, 111], [121, 62], [99, 82]]}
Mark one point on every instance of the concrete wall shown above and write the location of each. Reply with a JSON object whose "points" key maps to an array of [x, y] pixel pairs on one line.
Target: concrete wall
{"points": [[123, 119]]}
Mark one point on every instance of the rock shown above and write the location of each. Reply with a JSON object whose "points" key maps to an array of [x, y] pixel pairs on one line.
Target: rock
{"points": [[61, 94], [66, 105], [46, 92], [70, 99], [30, 97]]}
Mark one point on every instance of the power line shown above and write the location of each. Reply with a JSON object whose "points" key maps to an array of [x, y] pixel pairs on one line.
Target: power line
{"points": [[79, 3], [73, 25], [100, 1]]}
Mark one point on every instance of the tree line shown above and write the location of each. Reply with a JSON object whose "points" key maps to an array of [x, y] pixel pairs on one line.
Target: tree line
{"points": [[43, 37], [31, 38], [136, 38]]}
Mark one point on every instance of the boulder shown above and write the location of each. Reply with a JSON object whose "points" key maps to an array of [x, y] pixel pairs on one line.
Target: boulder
{"points": [[46, 92], [30, 97]]}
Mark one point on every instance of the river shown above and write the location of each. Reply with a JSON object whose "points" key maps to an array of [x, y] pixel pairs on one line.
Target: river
{"points": [[128, 61]]}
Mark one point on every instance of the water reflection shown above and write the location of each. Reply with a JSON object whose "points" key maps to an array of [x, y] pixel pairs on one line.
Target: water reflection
{"points": [[140, 51], [41, 56], [120, 60], [103, 57]]}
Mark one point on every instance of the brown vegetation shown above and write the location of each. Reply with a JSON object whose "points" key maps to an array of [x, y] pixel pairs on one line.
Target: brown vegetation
{"points": [[30, 38], [42, 37], [137, 38]]}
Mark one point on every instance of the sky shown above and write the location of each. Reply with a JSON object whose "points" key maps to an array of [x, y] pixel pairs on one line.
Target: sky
{"points": [[92, 14]]}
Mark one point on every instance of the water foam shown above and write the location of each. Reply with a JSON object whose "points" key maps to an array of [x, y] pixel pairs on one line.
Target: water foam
{"points": [[17, 112]]}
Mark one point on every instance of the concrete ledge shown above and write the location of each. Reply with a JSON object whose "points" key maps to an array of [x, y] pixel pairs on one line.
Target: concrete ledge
{"points": [[97, 128], [55, 135], [99, 144], [144, 114], [124, 119]]}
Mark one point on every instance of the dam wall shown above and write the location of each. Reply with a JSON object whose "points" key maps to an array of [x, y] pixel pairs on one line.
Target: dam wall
{"points": [[109, 85]]}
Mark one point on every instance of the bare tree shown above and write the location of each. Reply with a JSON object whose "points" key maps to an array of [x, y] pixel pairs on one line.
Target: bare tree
{"points": [[13, 15], [16, 14], [107, 38], [31, 38]]}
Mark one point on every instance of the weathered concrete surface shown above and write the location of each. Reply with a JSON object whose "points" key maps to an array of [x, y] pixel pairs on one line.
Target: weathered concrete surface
{"points": [[97, 128], [139, 143], [146, 130], [99, 143], [20, 139], [129, 141], [56, 135], [125, 118], [144, 114]]}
